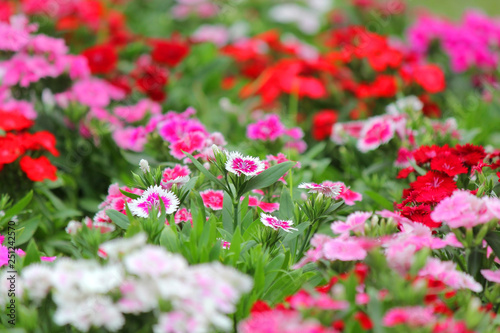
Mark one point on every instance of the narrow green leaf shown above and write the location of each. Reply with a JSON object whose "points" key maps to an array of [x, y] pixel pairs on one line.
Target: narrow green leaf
{"points": [[19, 206], [227, 214], [25, 230], [32, 254], [130, 195], [118, 218], [286, 205], [204, 171], [379, 199], [493, 240], [267, 177]]}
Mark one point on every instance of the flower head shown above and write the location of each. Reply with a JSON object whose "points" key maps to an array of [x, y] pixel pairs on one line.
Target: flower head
{"points": [[179, 175], [328, 189], [241, 165], [213, 199], [151, 198], [275, 223]]}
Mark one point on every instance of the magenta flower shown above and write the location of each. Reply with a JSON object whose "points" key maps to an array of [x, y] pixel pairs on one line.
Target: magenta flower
{"points": [[151, 198], [275, 223], [213, 199], [183, 215], [240, 165], [267, 207], [178, 175], [49, 259], [267, 129], [191, 142]]}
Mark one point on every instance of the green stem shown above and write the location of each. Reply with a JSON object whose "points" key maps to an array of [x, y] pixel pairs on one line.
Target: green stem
{"points": [[236, 206], [304, 244]]}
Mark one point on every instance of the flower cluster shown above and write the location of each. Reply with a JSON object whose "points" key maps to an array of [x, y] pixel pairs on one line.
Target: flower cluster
{"points": [[17, 142], [270, 128], [444, 165], [469, 44], [137, 279]]}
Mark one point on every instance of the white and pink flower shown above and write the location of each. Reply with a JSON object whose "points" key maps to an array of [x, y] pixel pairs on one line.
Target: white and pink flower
{"points": [[377, 131], [275, 223], [244, 165], [178, 175], [151, 198], [328, 189]]}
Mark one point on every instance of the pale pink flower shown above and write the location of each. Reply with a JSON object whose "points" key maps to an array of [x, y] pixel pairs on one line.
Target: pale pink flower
{"points": [[493, 276], [183, 215], [275, 223], [153, 261], [328, 189], [133, 113], [446, 272], [178, 175], [462, 209], [375, 132], [341, 132], [355, 222], [151, 198], [412, 316], [300, 146], [131, 138], [268, 129], [243, 165], [213, 199], [344, 249], [316, 252], [493, 205], [217, 34]]}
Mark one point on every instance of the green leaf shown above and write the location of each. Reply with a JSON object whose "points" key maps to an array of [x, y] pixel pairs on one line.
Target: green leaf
{"points": [[267, 177], [227, 214], [130, 195], [169, 239], [286, 205], [235, 247], [204, 171], [32, 254], [493, 240], [118, 218], [379, 199], [25, 230], [474, 261], [18, 207], [286, 285], [133, 229]]}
